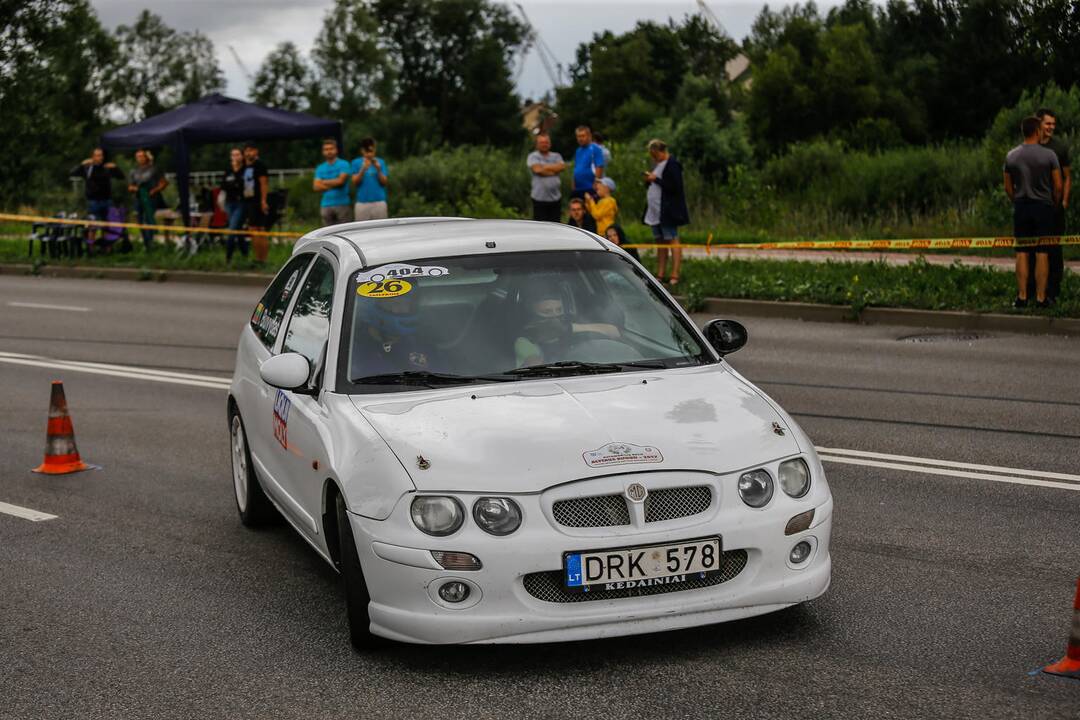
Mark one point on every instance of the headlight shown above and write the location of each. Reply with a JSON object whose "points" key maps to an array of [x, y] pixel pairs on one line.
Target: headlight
{"points": [[437, 515], [756, 488], [498, 516], [795, 477]]}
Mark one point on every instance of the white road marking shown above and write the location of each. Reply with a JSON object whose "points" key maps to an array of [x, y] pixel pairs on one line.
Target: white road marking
{"points": [[1016, 480], [25, 513], [949, 463], [43, 306], [122, 371]]}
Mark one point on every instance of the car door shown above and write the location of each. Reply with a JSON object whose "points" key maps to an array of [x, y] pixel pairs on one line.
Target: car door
{"points": [[257, 343], [299, 417]]}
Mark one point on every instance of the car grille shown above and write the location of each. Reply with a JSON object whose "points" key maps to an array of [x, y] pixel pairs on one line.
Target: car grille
{"points": [[596, 511], [548, 586], [678, 502], [612, 510]]}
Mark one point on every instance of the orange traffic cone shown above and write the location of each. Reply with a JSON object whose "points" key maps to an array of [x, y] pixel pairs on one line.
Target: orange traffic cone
{"points": [[1069, 666], [61, 455]]}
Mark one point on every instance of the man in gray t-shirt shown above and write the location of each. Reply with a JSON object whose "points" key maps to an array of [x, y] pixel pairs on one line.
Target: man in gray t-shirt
{"points": [[545, 167], [1033, 183]]}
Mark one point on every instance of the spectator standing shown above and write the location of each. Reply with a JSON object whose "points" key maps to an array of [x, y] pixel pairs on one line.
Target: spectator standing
{"points": [[370, 175], [97, 178], [1055, 256], [601, 141], [332, 180], [256, 200], [617, 235], [665, 208], [146, 184], [1032, 177], [546, 193], [232, 186], [579, 216], [588, 162], [604, 209]]}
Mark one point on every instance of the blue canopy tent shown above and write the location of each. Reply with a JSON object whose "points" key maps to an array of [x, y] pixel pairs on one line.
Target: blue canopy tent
{"points": [[213, 119]]}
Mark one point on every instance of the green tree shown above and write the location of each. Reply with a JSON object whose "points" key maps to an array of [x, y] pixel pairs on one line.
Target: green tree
{"points": [[353, 69], [455, 58], [283, 80], [53, 55], [157, 68]]}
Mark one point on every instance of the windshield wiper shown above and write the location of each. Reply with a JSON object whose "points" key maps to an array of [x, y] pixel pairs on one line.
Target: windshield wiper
{"points": [[425, 377], [565, 367]]}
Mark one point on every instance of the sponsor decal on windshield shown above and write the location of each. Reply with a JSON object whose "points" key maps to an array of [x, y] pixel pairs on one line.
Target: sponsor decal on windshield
{"points": [[383, 288], [400, 271], [393, 280], [617, 453]]}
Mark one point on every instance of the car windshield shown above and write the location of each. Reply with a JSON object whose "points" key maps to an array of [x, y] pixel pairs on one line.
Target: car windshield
{"points": [[506, 317]]}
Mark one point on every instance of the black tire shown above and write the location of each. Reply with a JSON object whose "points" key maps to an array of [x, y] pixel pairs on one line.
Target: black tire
{"points": [[254, 508], [356, 592]]}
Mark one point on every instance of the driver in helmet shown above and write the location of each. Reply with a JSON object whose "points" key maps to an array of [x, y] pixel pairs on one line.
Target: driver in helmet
{"points": [[388, 338], [547, 333]]}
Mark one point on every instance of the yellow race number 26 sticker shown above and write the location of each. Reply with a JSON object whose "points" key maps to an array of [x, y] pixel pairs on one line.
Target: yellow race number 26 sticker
{"points": [[383, 289]]}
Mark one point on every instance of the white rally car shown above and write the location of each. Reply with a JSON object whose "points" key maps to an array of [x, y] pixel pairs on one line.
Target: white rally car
{"points": [[506, 431]]}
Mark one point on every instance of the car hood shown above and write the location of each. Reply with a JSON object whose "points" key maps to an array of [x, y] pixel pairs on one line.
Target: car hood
{"points": [[530, 435]]}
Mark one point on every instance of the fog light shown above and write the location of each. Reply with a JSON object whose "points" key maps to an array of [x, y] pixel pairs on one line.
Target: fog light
{"points": [[456, 560], [456, 591], [798, 556], [798, 523]]}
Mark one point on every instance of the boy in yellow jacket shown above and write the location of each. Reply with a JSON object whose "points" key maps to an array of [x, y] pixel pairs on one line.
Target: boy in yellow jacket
{"points": [[605, 208]]}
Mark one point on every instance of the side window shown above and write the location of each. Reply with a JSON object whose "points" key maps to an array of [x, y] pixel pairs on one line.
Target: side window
{"points": [[266, 320], [309, 325]]}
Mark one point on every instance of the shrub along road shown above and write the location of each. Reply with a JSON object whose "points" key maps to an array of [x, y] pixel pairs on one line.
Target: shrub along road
{"points": [[146, 597]]}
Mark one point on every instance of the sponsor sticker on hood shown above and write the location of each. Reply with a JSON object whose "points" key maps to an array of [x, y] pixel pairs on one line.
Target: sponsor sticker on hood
{"points": [[618, 453]]}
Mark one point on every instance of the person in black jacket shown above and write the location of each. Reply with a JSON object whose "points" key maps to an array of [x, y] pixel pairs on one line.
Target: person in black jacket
{"points": [[665, 208], [232, 185], [97, 178]]}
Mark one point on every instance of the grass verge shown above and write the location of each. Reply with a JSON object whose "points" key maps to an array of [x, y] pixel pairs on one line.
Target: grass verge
{"points": [[858, 285]]}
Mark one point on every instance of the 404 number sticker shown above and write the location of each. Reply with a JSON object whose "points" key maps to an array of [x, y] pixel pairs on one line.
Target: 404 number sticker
{"points": [[383, 288]]}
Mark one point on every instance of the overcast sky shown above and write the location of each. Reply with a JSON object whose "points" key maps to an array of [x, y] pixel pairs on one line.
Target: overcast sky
{"points": [[254, 27]]}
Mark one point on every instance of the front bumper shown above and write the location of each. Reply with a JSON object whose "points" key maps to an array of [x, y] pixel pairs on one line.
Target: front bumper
{"points": [[402, 578]]}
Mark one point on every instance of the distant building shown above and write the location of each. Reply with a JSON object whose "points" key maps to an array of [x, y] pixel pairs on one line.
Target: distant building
{"points": [[738, 70], [537, 117]]}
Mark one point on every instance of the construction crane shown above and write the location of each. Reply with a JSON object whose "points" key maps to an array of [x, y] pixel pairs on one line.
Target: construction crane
{"points": [[552, 67], [711, 17], [243, 67]]}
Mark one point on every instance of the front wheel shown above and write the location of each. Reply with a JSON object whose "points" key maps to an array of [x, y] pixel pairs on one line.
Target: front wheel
{"points": [[254, 507], [357, 598]]}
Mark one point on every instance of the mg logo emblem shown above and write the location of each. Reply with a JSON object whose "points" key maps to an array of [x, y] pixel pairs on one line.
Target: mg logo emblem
{"points": [[636, 492]]}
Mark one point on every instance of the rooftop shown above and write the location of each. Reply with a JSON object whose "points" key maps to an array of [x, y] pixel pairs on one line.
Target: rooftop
{"points": [[403, 239]]}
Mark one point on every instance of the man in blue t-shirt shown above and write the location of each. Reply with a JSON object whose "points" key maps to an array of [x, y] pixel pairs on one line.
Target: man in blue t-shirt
{"points": [[370, 177], [588, 163], [332, 180]]}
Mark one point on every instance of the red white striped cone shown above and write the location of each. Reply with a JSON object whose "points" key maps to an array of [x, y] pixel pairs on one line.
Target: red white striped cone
{"points": [[61, 455], [1069, 666]]}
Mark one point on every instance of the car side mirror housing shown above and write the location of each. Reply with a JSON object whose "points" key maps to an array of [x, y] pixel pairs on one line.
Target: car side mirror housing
{"points": [[288, 371], [726, 336]]}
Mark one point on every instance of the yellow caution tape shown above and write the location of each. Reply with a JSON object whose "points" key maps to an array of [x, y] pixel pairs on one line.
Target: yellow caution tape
{"points": [[139, 226], [960, 243], [907, 244]]}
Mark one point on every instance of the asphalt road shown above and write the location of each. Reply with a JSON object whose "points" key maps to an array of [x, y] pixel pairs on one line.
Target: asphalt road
{"points": [[145, 597]]}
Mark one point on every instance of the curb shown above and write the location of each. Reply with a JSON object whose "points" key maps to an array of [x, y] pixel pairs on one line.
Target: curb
{"points": [[811, 312], [137, 274], [940, 319]]}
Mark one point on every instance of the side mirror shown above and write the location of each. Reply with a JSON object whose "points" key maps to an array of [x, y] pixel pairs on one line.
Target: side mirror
{"points": [[288, 371], [726, 336]]}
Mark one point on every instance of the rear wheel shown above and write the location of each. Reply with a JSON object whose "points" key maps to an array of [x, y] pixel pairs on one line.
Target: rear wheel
{"points": [[254, 507], [356, 592]]}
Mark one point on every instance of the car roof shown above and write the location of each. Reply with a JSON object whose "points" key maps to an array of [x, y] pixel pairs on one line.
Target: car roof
{"points": [[403, 239]]}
